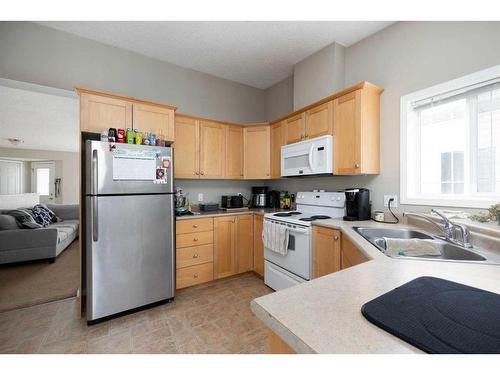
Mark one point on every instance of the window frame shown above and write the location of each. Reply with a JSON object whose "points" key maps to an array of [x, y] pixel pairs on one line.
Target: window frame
{"points": [[405, 102]]}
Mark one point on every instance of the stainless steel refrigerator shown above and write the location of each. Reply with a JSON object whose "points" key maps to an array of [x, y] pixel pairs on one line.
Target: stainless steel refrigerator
{"points": [[129, 227]]}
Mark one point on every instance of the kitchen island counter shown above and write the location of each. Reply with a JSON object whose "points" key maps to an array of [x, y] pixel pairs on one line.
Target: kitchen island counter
{"points": [[324, 314]]}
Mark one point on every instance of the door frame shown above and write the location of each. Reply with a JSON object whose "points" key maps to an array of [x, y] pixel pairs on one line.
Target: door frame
{"points": [[21, 172], [51, 164]]}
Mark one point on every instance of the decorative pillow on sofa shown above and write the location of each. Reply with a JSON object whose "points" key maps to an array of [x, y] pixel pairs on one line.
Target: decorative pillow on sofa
{"points": [[8, 222], [43, 215], [24, 218]]}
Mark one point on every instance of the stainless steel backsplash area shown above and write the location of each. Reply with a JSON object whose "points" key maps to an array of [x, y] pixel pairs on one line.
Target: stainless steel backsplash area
{"points": [[212, 190]]}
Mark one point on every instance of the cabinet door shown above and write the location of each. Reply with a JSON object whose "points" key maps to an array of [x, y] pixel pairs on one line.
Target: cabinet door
{"points": [[154, 119], [186, 148], [257, 152], [347, 133], [351, 256], [212, 149], [244, 243], [277, 140], [258, 246], [326, 251], [224, 246], [234, 152], [295, 128], [98, 113], [319, 120]]}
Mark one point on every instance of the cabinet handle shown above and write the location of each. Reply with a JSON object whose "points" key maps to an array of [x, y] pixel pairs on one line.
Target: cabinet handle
{"points": [[202, 173], [195, 225], [356, 165], [195, 256], [196, 173], [195, 275], [306, 135], [336, 238], [195, 239]]}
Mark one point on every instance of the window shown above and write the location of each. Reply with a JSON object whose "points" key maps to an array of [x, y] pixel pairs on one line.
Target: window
{"points": [[450, 143]]}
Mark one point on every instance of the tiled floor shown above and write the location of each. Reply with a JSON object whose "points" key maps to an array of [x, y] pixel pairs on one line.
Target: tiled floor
{"points": [[211, 318]]}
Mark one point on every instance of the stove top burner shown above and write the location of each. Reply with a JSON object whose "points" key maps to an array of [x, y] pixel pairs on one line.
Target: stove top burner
{"points": [[287, 214], [315, 217], [320, 217]]}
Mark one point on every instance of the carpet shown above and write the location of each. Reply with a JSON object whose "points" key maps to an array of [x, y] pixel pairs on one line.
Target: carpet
{"points": [[33, 283]]}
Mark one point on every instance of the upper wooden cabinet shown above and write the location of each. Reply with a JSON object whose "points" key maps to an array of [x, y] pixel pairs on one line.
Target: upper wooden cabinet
{"points": [[326, 251], [319, 120], [154, 119], [186, 147], [357, 132], [98, 113], [257, 152], [295, 128], [234, 152], [212, 149], [278, 136]]}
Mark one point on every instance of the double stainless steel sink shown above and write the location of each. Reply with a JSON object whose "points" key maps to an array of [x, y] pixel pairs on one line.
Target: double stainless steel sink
{"points": [[449, 251]]}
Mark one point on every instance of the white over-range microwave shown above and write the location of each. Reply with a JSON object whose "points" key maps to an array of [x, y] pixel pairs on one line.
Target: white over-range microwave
{"points": [[310, 157]]}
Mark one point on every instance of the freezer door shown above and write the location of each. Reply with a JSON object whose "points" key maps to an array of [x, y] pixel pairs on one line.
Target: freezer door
{"points": [[126, 168], [130, 252]]}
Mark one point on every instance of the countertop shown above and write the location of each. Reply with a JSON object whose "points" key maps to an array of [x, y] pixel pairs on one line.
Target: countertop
{"points": [[250, 211], [324, 314]]}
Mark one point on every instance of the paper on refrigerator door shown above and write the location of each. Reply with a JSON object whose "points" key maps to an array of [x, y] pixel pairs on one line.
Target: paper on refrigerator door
{"points": [[134, 165]]}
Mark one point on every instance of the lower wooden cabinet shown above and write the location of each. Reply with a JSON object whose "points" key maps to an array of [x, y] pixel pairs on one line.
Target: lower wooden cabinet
{"points": [[326, 251], [193, 275], [277, 345], [233, 245], [258, 245], [332, 252]]}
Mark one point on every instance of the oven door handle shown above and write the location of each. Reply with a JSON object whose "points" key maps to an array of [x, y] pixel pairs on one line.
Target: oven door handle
{"points": [[296, 230]]}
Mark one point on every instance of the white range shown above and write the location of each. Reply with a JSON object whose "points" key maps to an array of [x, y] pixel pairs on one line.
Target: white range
{"points": [[280, 271]]}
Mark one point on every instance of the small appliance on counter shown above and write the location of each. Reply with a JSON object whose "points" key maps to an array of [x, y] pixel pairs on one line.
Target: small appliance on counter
{"points": [[357, 204], [231, 201], [259, 196], [182, 206], [208, 207], [273, 199]]}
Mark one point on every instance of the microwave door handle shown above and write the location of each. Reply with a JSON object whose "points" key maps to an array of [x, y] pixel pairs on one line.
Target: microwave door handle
{"points": [[311, 158]]}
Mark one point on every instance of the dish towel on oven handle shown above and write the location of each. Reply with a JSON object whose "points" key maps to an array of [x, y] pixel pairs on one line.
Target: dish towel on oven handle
{"points": [[275, 237]]}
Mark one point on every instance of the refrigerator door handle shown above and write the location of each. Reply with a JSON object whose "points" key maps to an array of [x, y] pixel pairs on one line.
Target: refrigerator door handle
{"points": [[94, 172], [95, 222]]}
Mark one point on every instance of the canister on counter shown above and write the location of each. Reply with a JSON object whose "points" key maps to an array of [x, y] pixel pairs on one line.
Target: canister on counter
{"points": [[378, 216]]}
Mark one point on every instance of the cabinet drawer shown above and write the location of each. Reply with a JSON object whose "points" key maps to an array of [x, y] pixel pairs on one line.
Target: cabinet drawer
{"points": [[193, 275], [193, 226], [190, 256], [194, 239]]}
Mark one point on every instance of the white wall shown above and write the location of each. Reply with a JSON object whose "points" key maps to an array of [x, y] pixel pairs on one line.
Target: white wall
{"points": [[403, 58], [318, 75]]}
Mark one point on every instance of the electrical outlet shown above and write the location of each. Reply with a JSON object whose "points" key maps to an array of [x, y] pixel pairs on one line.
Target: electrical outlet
{"points": [[200, 197], [394, 203]]}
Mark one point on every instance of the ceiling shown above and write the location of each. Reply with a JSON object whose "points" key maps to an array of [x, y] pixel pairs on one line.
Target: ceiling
{"points": [[255, 53]]}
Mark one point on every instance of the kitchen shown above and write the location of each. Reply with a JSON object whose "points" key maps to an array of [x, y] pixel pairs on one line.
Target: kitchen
{"points": [[275, 193]]}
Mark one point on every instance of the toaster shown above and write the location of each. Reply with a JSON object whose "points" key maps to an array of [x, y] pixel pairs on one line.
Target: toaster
{"points": [[231, 201]]}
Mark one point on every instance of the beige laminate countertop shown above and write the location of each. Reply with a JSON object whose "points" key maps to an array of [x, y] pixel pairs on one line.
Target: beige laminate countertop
{"points": [[250, 211], [324, 314]]}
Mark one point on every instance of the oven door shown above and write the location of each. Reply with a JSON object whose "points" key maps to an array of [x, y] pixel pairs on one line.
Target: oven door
{"points": [[298, 258]]}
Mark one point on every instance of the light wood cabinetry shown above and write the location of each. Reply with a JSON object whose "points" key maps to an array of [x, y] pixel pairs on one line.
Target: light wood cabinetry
{"points": [[186, 148], [278, 136], [194, 252], [212, 149], [295, 128], [154, 119], [101, 110], [326, 251], [98, 113], [350, 255], [357, 132], [224, 246], [277, 345], [319, 121], [234, 152], [258, 245], [244, 243], [257, 152], [233, 245]]}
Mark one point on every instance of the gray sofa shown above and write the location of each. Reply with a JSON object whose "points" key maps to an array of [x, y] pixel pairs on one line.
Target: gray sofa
{"points": [[20, 245]]}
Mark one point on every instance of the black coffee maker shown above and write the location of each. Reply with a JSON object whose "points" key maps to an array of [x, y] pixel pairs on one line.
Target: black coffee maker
{"points": [[357, 204]]}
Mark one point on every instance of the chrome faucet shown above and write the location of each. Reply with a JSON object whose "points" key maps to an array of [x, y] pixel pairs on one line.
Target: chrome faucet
{"points": [[449, 229]]}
